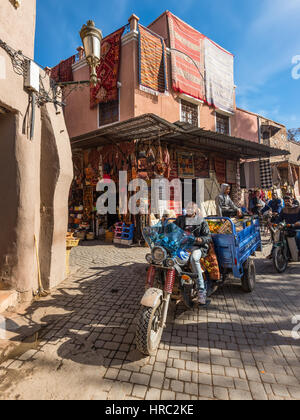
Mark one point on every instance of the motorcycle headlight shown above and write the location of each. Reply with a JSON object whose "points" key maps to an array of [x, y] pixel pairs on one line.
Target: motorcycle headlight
{"points": [[149, 258], [170, 262], [159, 255]]}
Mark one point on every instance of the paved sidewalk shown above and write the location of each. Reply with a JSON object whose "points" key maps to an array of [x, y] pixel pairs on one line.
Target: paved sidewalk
{"points": [[240, 348]]}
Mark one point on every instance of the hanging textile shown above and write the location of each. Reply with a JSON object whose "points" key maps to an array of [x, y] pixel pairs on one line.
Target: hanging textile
{"points": [[231, 171], [185, 75], [220, 168], [276, 176], [63, 71], [252, 175], [152, 62], [243, 176], [108, 70], [295, 173], [201, 167], [266, 174], [186, 167], [219, 76], [290, 175]]}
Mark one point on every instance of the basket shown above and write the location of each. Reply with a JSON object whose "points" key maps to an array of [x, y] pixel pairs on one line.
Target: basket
{"points": [[109, 236], [72, 242], [226, 228], [81, 235]]}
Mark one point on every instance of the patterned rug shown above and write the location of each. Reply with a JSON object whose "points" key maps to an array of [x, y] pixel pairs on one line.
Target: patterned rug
{"points": [[63, 71], [108, 70], [152, 59], [185, 75], [219, 76]]}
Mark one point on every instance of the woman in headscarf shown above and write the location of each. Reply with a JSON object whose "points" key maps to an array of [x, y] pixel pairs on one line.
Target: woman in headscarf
{"points": [[225, 206]]}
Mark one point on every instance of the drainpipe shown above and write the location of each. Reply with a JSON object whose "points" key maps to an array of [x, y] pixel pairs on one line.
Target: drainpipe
{"points": [[259, 130]]}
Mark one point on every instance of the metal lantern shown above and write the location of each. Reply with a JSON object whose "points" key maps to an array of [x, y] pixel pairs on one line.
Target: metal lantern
{"points": [[91, 38]]}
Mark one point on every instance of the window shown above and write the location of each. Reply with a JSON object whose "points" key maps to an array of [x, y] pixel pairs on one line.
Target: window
{"points": [[189, 113], [108, 113], [222, 124]]}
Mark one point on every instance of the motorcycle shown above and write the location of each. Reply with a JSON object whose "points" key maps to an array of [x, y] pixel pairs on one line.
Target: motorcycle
{"points": [[168, 276], [284, 245]]}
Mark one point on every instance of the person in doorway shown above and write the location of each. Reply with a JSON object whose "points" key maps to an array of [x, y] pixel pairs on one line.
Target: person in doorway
{"points": [[225, 206], [195, 224]]}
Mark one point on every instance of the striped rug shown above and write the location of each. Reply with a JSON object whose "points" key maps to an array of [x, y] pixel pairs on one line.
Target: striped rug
{"points": [[152, 60], [187, 77]]}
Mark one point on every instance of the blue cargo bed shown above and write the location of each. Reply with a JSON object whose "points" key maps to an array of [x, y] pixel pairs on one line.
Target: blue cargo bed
{"points": [[235, 248]]}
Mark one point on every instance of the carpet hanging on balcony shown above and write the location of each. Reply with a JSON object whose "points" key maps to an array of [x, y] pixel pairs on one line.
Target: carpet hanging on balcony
{"points": [[108, 70], [152, 62], [63, 71], [219, 76], [187, 74]]}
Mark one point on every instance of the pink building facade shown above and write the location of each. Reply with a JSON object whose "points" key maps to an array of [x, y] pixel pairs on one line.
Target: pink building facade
{"points": [[214, 161], [133, 102]]}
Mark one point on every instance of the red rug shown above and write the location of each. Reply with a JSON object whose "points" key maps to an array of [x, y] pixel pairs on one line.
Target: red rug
{"points": [[186, 77], [108, 70], [63, 71]]}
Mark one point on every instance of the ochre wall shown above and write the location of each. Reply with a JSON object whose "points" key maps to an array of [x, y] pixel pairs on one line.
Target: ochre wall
{"points": [[24, 164], [17, 26]]}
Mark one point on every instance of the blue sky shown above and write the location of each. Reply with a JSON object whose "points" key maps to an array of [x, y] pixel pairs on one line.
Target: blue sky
{"points": [[264, 36]]}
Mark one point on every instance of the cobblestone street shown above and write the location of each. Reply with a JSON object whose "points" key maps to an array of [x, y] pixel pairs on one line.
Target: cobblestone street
{"points": [[239, 348]]}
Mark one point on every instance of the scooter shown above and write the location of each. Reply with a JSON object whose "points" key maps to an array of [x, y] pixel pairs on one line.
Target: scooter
{"points": [[284, 245], [169, 276]]}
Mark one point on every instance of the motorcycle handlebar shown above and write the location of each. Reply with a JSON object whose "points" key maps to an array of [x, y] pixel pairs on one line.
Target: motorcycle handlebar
{"points": [[288, 226]]}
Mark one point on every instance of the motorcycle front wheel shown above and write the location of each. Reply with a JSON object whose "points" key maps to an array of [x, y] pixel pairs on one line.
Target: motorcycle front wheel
{"points": [[280, 260], [149, 330]]}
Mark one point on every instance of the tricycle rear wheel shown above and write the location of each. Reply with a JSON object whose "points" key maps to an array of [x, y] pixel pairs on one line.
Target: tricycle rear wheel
{"points": [[249, 277]]}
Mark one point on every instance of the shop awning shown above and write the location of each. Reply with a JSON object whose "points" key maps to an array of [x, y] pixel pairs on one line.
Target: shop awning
{"points": [[221, 143], [144, 127], [149, 127], [286, 163]]}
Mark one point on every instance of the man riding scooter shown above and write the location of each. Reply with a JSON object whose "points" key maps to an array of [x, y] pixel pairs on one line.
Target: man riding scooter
{"points": [[195, 224], [291, 216], [274, 207]]}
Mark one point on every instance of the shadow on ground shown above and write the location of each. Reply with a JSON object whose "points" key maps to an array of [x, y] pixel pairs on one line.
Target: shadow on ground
{"points": [[92, 319]]}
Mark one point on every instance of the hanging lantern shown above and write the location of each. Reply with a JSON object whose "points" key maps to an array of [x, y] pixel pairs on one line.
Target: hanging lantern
{"points": [[91, 38], [16, 3]]}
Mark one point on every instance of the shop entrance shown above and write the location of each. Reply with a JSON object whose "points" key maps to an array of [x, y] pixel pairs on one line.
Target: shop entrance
{"points": [[9, 194]]}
